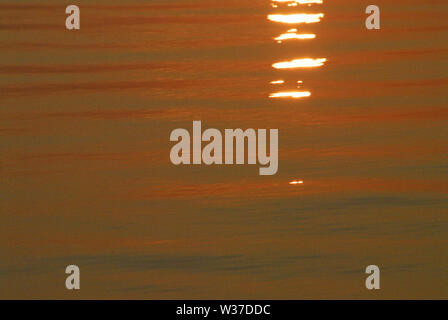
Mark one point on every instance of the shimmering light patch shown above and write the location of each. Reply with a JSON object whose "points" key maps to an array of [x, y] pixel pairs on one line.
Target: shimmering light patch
{"points": [[296, 18], [300, 1], [290, 94], [277, 82], [293, 35], [295, 182], [300, 63]]}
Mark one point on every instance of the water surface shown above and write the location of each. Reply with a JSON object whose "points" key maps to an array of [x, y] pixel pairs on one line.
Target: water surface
{"points": [[84, 163]]}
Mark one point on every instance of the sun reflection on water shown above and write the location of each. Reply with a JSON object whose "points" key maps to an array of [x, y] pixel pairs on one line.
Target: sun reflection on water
{"points": [[300, 63], [278, 82], [296, 18], [299, 1], [290, 94], [294, 34]]}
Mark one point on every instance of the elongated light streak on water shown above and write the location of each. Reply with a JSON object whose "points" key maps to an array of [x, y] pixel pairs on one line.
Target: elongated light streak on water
{"points": [[296, 18], [290, 94], [300, 63], [293, 35], [299, 1]]}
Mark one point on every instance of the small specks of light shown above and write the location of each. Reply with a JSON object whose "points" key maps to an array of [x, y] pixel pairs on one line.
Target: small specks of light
{"points": [[296, 18], [290, 94], [296, 182], [277, 82]]}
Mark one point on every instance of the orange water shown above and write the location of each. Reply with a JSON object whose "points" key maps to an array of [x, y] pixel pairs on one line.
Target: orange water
{"points": [[86, 179]]}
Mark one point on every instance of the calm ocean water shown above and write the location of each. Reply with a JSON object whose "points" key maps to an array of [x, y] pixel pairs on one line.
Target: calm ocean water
{"points": [[85, 119]]}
